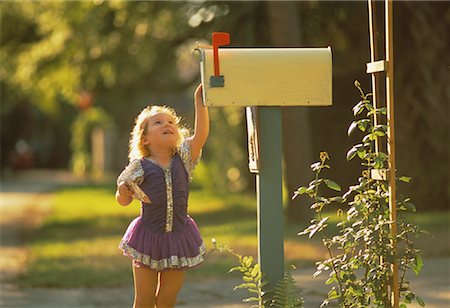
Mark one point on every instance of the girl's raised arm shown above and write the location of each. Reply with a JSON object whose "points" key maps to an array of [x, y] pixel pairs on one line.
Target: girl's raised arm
{"points": [[201, 129]]}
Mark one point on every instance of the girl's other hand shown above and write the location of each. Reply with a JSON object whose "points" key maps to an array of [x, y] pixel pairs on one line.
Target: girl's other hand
{"points": [[124, 190]]}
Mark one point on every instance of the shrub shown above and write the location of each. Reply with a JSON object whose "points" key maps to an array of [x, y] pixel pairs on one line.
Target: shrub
{"points": [[362, 254]]}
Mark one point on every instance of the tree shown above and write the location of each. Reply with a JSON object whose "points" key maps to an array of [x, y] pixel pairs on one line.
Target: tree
{"points": [[122, 53], [285, 31], [127, 54], [422, 100]]}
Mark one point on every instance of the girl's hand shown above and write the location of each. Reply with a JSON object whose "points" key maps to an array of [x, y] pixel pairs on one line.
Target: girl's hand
{"points": [[124, 190], [198, 95], [123, 194]]}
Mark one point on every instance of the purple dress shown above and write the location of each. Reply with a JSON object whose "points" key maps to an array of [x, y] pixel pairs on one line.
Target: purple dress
{"points": [[164, 236]]}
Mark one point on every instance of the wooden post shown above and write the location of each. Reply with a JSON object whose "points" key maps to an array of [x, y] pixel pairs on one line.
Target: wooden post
{"points": [[391, 145], [387, 66], [374, 57], [269, 192], [98, 151]]}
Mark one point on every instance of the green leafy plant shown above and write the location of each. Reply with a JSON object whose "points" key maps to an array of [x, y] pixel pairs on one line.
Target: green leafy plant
{"points": [[362, 254], [251, 275], [285, 294]]}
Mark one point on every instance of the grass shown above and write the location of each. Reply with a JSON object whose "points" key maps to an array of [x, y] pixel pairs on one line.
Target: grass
{"points": [[76, 246]]}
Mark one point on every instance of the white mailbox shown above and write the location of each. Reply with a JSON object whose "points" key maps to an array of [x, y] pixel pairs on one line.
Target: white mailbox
{"points": [[268, 77]]}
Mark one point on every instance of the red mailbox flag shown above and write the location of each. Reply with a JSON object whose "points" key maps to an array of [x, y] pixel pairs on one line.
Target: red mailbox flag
{"points": [[219, 39]]}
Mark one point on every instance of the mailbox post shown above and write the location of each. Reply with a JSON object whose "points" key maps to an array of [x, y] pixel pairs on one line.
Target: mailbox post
{"points": [[268, 78], [269, 195]]}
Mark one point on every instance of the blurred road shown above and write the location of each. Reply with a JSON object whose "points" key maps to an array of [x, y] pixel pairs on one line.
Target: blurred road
{"points": [[26, 200]]}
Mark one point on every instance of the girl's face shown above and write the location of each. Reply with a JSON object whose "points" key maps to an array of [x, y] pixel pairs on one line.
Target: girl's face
{"points": [[162, 132]]}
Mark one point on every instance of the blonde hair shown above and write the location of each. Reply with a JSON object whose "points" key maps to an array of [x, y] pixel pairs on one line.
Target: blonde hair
{"points": [[137, 149]]}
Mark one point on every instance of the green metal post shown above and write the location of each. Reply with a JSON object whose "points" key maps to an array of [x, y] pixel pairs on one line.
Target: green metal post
{"points": [[269, 195]]}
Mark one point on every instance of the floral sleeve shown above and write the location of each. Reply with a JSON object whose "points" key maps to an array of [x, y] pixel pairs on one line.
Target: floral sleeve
{"points": [[133, 172], [133, 176], [185, 154]]}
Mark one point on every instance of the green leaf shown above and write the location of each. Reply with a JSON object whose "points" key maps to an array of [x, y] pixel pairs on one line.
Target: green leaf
{"points": [[251, 299], [300, 191], [382, 155], [316, 166], [322, 221], [331, 280], [253, 291], [358, 108], [333, 294], [317, 206], [382, 110], [358, 85], [255, 270], [351, 153], [362, 124], [313, 231], [417, 265], [372, 136], [378, 163], [379, 133], [304, 232], [245, 285], [380, 128], [247, 261], [361, 152], [237, 268], [367, 138], [410, 206], [337, 199], [373, 111], [332, 185], [420, 301], [319, 226], [405, 179], [351, 128]]}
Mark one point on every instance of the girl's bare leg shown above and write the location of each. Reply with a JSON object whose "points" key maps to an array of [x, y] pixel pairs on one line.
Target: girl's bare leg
{"points": [[145, 285], [170, 284]]}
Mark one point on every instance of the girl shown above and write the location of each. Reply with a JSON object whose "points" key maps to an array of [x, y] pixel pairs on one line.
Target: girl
{"points": [[163, 241]]}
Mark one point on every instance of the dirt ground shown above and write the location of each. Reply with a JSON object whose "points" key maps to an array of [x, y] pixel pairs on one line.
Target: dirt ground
{"points": [[29, 200]]}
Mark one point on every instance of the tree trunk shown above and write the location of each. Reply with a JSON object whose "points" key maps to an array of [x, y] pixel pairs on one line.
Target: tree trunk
{"points": [[285, 31], [422, 100]]}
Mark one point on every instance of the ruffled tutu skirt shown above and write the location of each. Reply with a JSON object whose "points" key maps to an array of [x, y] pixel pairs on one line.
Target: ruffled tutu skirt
{"points": [[160, 251]]}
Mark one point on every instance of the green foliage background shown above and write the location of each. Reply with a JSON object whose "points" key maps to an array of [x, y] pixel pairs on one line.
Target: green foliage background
{"points": [[129, 54]]}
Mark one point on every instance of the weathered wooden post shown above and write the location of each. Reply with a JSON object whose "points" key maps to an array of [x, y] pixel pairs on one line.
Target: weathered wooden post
{"points": [[268, 78], [376, 67]]}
